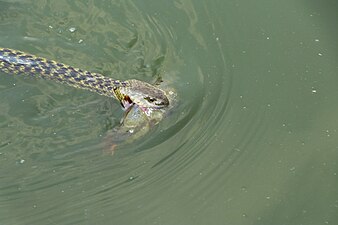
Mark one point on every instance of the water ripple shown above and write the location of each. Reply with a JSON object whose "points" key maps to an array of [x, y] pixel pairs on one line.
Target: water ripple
{"points": [[55, 151]]}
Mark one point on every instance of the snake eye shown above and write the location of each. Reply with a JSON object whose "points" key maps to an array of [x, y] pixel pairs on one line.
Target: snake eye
{"points": [[150, 99]]}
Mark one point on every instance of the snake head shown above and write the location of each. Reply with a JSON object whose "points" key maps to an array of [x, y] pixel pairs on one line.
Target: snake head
{"points": [[143, 94]]}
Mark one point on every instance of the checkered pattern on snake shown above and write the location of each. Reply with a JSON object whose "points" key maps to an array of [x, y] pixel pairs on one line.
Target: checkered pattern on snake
{"points": [[128, 92], [17, 62]]}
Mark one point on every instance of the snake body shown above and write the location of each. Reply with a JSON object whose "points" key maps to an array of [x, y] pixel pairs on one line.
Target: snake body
{"points": [[128, 92]]}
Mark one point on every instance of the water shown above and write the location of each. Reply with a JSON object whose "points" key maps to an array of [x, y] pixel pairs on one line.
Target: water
{"points": [[253, 139]]}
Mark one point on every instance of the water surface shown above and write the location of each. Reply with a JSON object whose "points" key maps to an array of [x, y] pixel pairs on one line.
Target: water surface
{"points": [[253, 139]]}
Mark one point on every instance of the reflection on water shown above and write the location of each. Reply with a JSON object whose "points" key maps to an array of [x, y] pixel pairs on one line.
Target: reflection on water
{"points": [[251, 139]]}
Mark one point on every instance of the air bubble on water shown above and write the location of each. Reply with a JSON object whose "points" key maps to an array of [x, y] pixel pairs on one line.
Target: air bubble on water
{"points": [[72, 29], [292, 168], [244, 189]]}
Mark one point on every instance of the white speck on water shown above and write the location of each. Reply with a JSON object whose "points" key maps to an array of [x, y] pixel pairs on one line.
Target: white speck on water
{"points": [[131, 131], [292, 168], [80, 41], [22, 161], [51, 27], [267, 38], [244, 189], [320, 54], [14, 84], [314, 90], [217, 38], [72, 29], [316, 40]]}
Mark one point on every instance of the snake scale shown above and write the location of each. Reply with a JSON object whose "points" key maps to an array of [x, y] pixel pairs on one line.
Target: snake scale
{"points": [[128, 92]]}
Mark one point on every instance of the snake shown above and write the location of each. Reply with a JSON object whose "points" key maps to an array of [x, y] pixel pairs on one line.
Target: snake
{"points": [[129, 92]]}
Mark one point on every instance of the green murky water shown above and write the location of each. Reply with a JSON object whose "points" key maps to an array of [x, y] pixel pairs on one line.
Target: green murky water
{"points": [[253, 139]]}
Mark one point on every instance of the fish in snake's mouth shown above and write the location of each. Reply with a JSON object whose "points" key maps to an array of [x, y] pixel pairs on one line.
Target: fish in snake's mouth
{"points": [[127, 104]]}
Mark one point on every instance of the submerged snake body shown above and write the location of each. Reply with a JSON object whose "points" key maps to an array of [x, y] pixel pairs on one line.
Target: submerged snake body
{"points": [[127, 92]]}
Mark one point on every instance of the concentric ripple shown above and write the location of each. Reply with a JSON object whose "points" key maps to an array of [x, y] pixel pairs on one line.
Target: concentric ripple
{"points": [[54, 166]]}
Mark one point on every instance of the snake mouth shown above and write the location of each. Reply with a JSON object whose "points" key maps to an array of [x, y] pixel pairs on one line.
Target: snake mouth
{"points": [[126, 102]]}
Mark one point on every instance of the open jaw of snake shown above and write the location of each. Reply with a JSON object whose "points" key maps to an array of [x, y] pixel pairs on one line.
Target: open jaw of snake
{"points": [[128, 93], [136, 124]]}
